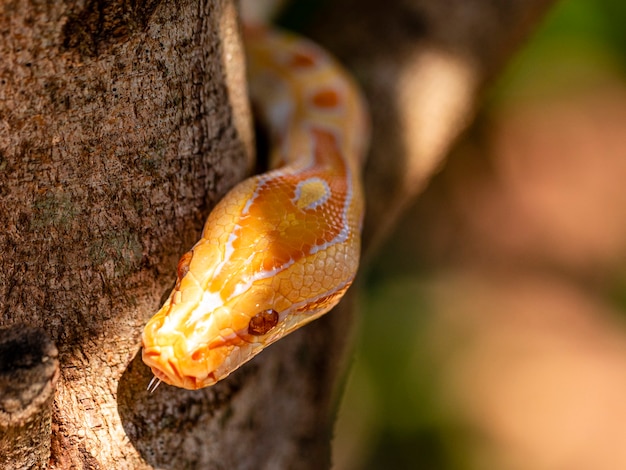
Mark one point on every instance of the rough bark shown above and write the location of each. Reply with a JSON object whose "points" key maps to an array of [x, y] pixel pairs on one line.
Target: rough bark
{"points": [[121, 124], [29, 370]]}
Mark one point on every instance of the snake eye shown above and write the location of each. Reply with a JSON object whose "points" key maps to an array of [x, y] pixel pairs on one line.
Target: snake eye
{"points": [[263, 322], [183, 265]]}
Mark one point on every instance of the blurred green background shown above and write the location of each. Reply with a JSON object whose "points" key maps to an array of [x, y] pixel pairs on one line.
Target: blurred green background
{"points": [[493, 333]]}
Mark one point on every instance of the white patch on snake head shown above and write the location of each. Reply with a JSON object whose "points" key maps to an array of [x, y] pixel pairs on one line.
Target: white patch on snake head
{"points": [[209, 302]]}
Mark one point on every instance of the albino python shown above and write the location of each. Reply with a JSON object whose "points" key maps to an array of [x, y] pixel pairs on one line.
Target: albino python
{"points": [[281, 248]]}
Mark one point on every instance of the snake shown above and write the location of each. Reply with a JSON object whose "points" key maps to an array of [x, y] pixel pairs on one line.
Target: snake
{"points": [[282, 247]]}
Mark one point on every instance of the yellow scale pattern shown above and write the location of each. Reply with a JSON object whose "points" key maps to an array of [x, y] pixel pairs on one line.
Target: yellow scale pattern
{"points": [[282, 247]]}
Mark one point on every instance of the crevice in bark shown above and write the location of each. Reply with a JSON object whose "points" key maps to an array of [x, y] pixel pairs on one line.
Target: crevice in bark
{"points": [[29, 370]]}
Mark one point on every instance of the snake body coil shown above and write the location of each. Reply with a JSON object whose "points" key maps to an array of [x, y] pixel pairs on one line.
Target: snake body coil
{"points": [[282, 247]]}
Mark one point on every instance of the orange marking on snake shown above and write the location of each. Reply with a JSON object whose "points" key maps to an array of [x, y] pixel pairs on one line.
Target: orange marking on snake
{"points": [[326, 99], [299, 59], [282, 247]]}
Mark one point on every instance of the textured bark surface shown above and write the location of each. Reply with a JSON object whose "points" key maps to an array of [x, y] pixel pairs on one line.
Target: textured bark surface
{"points": [[121, 124]]}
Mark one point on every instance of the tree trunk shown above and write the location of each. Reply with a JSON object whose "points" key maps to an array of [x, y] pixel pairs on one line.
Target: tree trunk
{"points": [[121, 124]]}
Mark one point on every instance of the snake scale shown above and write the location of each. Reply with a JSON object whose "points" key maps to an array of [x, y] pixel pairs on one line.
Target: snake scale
{"points": [[282, 247]]}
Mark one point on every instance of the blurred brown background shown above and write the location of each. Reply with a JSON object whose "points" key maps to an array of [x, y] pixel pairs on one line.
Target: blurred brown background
{"points": [[494, 332]]}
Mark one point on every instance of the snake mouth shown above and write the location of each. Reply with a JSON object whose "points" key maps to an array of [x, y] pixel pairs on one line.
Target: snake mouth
{"points": [[163, 366], [166, 368], [160, 375]]}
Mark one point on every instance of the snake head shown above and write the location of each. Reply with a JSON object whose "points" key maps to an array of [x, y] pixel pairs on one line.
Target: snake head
{"points": [[217, 319], [199, 337], [270, 260]]}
